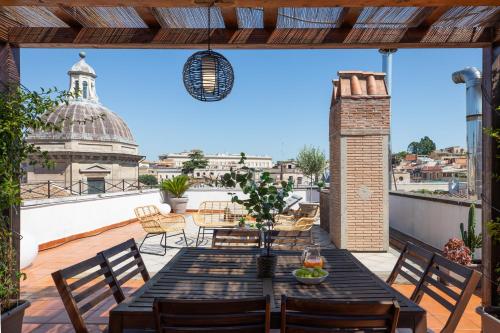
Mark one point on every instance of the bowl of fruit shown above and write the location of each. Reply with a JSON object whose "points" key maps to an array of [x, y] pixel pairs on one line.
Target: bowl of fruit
{"points": [[310, 275]]}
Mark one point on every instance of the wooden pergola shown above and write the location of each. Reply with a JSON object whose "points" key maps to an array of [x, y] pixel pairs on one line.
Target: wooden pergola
{"points": [[271, 24]]}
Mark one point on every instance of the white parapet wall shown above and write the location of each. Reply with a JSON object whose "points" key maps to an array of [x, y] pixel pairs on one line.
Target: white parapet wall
{"points": [[48, 220], [430, 219]]}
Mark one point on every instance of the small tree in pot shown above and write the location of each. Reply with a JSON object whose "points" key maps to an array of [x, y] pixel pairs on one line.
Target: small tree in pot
{"points": [[177, 186], [265, 201]]}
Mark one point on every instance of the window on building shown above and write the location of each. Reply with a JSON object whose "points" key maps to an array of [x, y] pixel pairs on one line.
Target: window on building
{"points": [[197, 174], [85, 89], [77, 86], [289, 166], [96, 185], [299, 180]]}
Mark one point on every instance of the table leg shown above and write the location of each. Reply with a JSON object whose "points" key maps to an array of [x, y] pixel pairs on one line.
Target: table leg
{"points": [[115, 323], [420, 324]]}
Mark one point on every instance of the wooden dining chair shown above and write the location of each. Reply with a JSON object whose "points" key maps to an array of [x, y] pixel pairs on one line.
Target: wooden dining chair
{"points": [[299, 315], [449, 284], [412, 265], [95, 283], [247, 315], [125, 262], [235, 238]]}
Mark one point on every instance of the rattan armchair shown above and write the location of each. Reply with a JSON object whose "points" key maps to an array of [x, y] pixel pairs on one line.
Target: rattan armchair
{"points": [[213, 215], [156, 223], [300, 220]]}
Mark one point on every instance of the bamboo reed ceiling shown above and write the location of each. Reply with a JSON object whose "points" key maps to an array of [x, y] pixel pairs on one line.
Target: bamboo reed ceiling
{"points": [[250, 23]]}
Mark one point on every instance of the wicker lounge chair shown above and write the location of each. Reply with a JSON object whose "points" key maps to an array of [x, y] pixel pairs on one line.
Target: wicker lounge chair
{"points": [[217, 215], [156, 223], [300, 220]]}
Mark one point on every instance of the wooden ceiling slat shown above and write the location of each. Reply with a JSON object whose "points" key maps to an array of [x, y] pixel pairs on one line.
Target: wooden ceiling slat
{"points": [[417, 34], [253, 3], [230, 17], [63, 14]]}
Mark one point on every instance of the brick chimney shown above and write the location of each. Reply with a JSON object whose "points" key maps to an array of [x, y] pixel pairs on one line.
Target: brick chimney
{"points": [[359, 162]]}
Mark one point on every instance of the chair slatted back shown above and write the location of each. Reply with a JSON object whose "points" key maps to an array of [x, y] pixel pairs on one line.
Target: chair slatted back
{"points": [[299, 315], [449, 284], [290, 240], [235, 238], [125, 262], [249, 315], [84, 286], [412, 265]]}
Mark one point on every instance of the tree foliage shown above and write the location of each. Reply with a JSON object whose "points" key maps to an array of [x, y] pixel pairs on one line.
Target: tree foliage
{"points": [[423, 147], [148, 180], [196, 161], [21, 112], [398, 157], [311, 161]]}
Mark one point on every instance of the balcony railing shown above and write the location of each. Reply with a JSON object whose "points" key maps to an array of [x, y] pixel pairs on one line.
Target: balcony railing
{"points": [[58, 189]]}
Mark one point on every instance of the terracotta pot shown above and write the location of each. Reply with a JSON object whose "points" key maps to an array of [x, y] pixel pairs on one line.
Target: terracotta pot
{"points": [[179, 205], [12, 320], [489, 319], [266, 266]]}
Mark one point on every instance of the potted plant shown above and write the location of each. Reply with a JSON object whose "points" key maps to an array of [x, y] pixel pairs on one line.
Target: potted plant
{"points": [[21, 112], [264, 201], [176, 187], [469, 237]]}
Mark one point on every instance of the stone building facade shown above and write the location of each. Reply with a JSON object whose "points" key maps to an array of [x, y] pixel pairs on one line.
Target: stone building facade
{"points": [[359, 162], [95, 150]]}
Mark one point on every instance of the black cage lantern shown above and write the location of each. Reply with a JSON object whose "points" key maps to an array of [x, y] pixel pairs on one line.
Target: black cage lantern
{"points": [[208, 76]]}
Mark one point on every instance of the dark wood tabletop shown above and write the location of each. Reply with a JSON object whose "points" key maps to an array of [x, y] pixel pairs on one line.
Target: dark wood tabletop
{"points": [[201, 273]]}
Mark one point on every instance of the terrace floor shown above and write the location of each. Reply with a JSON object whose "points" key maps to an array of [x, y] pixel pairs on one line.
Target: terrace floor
{"points": [[47, 313]]}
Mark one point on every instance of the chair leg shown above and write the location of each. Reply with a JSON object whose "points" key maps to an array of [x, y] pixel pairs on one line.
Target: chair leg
{"points": [[149, 235], [198, 237], [202, 235], [185, 239]]}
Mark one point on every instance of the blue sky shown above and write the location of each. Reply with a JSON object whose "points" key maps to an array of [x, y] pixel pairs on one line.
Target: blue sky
{"points": [[279, 103]]}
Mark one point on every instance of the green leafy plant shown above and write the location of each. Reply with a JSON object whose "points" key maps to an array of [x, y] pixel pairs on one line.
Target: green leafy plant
{"points": [[148, 180], [176, 186], [21, 112], [493, 226], [471, 240], [265, 199]]}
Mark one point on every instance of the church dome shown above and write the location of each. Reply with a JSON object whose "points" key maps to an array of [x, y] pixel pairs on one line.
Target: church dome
{"points": [[84, 118], [86, 121]]}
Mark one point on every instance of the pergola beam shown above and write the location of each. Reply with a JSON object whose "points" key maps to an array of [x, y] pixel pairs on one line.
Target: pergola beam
{"points": [[116, 38], [230, 17], [147, 15], [270, 17], [251, 3], [349, 18]]}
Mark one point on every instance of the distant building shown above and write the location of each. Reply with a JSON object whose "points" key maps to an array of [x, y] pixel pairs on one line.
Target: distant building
{"points": [[95, 146], [218, 161], [288, 171]]}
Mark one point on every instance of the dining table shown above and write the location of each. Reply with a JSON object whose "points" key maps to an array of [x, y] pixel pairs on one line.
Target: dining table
{"points": [[205, 273]]}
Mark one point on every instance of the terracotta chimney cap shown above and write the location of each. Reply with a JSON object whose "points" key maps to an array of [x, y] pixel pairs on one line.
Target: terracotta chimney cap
{"points": [[360, 84]]}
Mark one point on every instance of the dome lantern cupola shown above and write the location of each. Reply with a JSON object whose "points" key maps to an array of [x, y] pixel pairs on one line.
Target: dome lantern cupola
{"points": [[82, 81]]}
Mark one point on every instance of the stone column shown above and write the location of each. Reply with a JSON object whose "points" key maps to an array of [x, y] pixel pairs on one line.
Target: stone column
{"points": [[359, 163]]}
